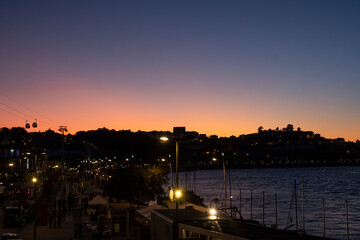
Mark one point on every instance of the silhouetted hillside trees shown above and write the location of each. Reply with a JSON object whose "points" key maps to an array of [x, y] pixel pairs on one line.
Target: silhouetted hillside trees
{"points": [[121, 144], [266, 148]]}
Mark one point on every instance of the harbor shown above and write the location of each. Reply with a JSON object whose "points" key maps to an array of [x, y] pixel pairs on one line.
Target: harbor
{"points": [[267, 196]]}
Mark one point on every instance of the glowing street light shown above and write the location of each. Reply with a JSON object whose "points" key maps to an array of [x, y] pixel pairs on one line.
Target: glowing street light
{"points": [[178, 194], [178, 131], [164, 139]]}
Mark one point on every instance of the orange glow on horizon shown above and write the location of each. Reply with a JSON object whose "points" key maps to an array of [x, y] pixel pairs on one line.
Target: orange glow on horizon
{"points": [[85, 108]]}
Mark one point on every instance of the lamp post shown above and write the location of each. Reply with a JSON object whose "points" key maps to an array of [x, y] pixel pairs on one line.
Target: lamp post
{"points": [[176, 160], [34, 181], [177, 191], [177, 165]]}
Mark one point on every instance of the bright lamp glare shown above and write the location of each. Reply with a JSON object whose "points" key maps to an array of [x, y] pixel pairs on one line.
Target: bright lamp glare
{"points": [[212, 211], [178, 194], [34, 180], [164, 139]]}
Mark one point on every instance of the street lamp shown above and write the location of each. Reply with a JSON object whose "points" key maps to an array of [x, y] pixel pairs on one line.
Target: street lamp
{"points": [[34, 180], [178, 194], [176, 161], [179, 135], [164, 139], [177, 191]]}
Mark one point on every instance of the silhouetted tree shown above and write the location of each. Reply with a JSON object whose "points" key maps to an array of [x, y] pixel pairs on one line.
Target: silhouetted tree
{"points": [[140, 184], [290, 128]]}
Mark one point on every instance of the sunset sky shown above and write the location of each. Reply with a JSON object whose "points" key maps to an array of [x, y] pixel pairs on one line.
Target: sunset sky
{"points": [[216, 67]]}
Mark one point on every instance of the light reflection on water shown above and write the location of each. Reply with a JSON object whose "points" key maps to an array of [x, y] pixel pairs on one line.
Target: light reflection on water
{"points": [[334, 184]]}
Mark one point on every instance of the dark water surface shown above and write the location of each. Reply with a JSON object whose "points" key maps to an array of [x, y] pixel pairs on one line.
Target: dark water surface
{"points": [[333, 184]]}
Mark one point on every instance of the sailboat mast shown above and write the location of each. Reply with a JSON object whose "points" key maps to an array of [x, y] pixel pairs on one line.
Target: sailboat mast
{"points": [[194, 182], [296, 207], [171, 173], [303, 205], [230, 195], [223, 158]]}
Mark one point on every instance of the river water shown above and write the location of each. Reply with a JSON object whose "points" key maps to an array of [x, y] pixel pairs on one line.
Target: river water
{"points": [[331, 185]]}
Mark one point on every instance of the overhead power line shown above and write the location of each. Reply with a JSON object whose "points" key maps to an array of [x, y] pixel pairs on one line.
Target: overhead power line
{"points": [[29, 109], [13, 109], [12, 114], [23, 117], [49, 125], [53, 124]]}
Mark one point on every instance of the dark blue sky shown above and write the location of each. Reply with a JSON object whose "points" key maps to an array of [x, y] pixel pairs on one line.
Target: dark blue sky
{"points": [[218, 67]]}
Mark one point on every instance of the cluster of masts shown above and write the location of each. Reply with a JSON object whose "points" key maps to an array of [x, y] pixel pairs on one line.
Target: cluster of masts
{"points": [[34, 125]]}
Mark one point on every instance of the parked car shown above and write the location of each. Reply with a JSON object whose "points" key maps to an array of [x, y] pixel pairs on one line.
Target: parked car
{"points": [[6, 236], [12, 216]]}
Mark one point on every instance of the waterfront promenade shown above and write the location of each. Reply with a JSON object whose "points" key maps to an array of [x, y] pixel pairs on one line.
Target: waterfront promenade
{"points": [[66, 230]]}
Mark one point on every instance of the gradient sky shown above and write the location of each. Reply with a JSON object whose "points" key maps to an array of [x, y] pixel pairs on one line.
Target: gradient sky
{"points": [[216, 67]]}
